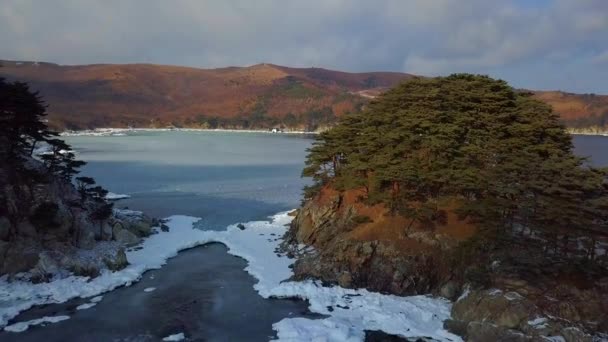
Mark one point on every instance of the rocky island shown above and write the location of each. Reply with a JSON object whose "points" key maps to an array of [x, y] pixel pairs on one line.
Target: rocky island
{"points": [[463, 188]]}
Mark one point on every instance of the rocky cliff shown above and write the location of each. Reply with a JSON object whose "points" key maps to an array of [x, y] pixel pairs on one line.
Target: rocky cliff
{"points": [[47, 230], [498, 295]]}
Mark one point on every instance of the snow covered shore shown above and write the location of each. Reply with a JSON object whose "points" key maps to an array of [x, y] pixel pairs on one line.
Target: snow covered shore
{"points": [[349, 312], [102, 132], [111, 196]]}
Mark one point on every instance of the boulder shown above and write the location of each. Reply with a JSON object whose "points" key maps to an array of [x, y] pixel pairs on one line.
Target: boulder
{"points": [[573, 334], [506, 310], [106, 231], [164, 227], [141, 228], [485, 331], [456, 327], [118, 262], [25, 228], [45, 268], [126, 237], [117, 227], [87, 239], [17, 260], [5, 228], [449, 290]]}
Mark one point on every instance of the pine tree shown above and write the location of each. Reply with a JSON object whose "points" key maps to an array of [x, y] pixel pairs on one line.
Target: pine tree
{"points": [[501, 155]]}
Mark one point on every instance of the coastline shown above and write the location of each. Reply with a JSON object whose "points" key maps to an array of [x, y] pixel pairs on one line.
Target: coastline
{"points": [[112, 131], [349, 312], [599, 134], [123, 131]]}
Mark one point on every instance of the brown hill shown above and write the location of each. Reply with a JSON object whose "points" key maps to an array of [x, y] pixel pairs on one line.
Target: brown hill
{"points": [[146, 95], [259, 96], [578, 110]]}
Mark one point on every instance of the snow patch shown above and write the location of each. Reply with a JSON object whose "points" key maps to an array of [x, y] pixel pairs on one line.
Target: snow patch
{"points": [[495, 292], [23, 326], [111, 196], [513, 296], [85, 306], [539, 323], [96, 299], [465, 293], [175, 337]]}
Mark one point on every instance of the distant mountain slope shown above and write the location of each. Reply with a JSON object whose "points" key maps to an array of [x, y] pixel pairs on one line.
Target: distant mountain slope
{"points": [[578, 111], [259, 96]]}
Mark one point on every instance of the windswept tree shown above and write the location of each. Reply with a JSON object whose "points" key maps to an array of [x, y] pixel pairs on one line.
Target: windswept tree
{"points": [[23, 127], [22, 120]]}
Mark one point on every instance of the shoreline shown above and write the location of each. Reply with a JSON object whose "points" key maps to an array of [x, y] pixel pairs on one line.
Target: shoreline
{"points": [[349, 311], [123, 131], [599, 134], [110, 131]]}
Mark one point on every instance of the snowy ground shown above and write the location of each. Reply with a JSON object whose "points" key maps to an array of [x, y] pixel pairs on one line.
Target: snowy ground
{"points": [[102, 132], [350, 311], [113, 196]]}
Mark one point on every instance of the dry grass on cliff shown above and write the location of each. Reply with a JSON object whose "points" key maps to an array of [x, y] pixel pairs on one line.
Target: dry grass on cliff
{"points": [[392, 228]]}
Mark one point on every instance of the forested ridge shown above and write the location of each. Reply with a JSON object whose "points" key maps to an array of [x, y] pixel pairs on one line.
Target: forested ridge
{"points": [[474, 145], [260, 96]]}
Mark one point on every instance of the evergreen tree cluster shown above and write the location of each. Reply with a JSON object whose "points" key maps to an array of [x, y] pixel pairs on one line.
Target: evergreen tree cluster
{"points": [[23, 128], [500, 155]]}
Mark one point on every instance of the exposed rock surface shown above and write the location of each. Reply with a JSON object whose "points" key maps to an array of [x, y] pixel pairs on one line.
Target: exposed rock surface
{"points": [[118, 262], [48, 229], [493, 300], [126, 237], [385, 264]]}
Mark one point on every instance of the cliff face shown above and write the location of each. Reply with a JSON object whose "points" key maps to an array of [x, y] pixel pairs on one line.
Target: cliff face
{"points": [[362, 246], [497, 294], [46, 228]]}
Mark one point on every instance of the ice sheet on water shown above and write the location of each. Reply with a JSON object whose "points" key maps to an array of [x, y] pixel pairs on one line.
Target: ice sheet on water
{"points": [[23, 326]]}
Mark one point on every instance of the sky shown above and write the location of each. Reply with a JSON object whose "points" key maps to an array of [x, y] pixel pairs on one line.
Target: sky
{"points": [[535, 44]]}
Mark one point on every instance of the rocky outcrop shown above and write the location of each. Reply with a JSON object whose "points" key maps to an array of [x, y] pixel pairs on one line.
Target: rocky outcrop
{"points": [[375, 265], [393, 263], [118, 262], [354, 246], [133, 221], [46, 228], [498, 315]]}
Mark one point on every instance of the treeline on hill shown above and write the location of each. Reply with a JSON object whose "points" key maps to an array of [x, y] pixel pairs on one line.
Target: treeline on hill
{"points": [[598, 122], [310, 120], [23, 129], [471, 142]]}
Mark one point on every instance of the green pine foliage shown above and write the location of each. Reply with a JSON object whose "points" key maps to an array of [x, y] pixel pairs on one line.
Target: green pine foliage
{"points": [[22, 128], [501, 154]]}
